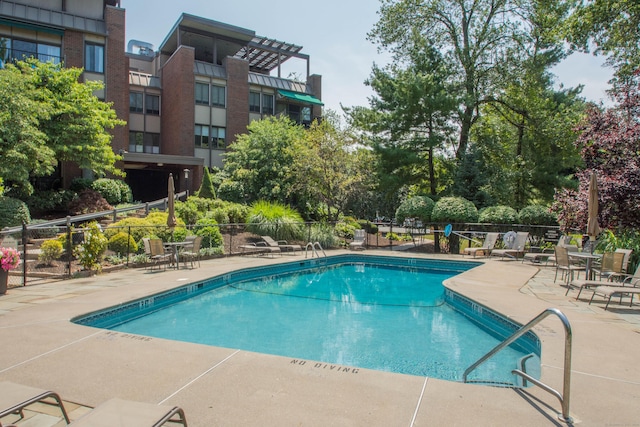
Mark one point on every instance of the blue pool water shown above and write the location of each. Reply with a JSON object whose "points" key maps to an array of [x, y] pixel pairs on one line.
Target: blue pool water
{"points": [[370, 312]]}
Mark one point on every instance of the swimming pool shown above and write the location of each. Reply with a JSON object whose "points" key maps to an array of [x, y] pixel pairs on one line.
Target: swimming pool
{"points": [[384, 313]]}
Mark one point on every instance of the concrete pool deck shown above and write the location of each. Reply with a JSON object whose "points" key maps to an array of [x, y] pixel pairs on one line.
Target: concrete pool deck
{"points": [[227, 387]]}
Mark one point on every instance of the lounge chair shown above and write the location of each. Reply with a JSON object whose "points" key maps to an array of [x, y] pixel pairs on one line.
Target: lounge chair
{"points": [[282, 244], [259, 248], [359, 239], [611, 291], [633, 280], [125, 413], [14, 398], [487, 246], [514, 249]]}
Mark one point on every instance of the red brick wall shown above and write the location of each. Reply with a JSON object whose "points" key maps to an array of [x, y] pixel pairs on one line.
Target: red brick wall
{"points": [[237, 97], [178, 103], [117, 74], [73, 49]]}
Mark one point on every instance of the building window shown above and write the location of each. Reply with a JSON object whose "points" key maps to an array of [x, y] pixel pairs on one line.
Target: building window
{"points": [[218, 138], [201, 134], [152, 143], [135, 102], [306, 115], [267, 104], [202, 93], [21, 50], [152, 104], [218, 96], [140, 142], [294, 112], [254, 102], [94, 58]]}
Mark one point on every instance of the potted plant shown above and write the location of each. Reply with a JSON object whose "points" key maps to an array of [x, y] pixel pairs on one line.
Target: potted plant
{"points": [[9, 259]]}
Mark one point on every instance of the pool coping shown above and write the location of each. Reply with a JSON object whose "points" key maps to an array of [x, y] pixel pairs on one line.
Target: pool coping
{"points": [[219, 386]]}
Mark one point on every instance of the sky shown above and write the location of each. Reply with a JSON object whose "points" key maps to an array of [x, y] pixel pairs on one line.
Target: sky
{"points": [[333, 33]]}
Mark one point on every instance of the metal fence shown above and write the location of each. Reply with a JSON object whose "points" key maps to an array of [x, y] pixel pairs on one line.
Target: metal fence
{"points": [[39, 265]]}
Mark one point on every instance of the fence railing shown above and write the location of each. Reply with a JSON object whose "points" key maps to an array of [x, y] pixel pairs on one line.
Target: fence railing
{"points": [[40, 265]]}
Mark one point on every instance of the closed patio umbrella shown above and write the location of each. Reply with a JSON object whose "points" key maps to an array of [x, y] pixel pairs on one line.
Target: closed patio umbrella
{"points": [[171, 218], [593, 228]]}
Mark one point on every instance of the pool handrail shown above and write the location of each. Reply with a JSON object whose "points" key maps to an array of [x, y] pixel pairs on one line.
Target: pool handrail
{"points": [[314, 246], [566, 386]]}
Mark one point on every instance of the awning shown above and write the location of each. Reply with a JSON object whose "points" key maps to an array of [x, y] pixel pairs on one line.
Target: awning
{"points": [[300, 97]]}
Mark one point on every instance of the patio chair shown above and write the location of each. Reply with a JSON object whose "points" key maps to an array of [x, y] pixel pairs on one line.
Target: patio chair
{"points": [[564, 264], [514, 249], [487, 246], [610, 265], [120, 413], [629, 280], [14, 398], [154, 249], [282, 244], [359, 239], [192, 253]]}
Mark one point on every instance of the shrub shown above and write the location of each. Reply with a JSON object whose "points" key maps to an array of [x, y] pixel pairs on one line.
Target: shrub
{"points": [[237, 212], [139, 228], [187, 211], [392, 236], [537, 215], [210, 232], [219, 215], [368, 226], [91, 250], [498, 215], [80, 184], [123, 243], [275, 220], [50, 250], [454, 209], [419, 207], [232, 191], [345, 230], [50, 200], [158, 221], [109, 189], [13, 212], [323, 234], [89, 201], [126, 195]]}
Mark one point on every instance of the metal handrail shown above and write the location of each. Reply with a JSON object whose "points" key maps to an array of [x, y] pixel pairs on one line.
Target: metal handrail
{"points": [[313, 248], [94, 215], [566, 385]]}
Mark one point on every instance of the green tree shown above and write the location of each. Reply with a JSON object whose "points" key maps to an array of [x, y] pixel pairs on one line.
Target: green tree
{"points": [[610, 28], [261, 162], [327, 168], [48, 116], [206, 189], [475, 38], [410, 117]]}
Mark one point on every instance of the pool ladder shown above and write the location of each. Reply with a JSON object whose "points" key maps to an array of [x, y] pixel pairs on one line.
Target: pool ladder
{"points": [[566, 386], [314, 249]]}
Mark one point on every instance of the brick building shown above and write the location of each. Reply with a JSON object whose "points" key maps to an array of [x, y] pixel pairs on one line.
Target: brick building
{"points": [[183, 103]]}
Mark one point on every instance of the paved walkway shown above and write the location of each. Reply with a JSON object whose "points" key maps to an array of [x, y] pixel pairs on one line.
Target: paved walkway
{"points": [[228, 387]]}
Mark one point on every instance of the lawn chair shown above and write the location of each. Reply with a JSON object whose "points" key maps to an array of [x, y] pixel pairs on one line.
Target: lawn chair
{"points": [[487, 246], [359, 239], [14, 398], [282, 244]]}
